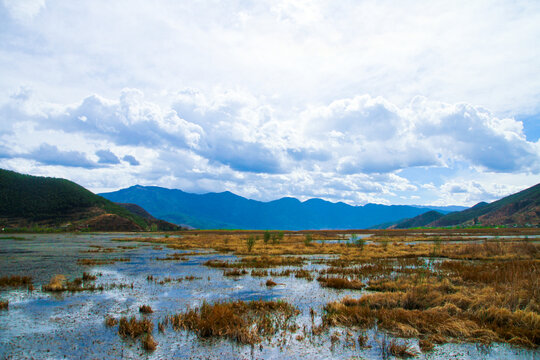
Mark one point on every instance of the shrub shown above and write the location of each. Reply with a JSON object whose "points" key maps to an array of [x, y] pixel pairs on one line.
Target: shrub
{"points": [[250, 242]]}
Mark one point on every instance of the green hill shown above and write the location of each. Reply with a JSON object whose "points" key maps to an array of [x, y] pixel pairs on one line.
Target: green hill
{"points": [[522, 209], [418, 221], [27, 200]]}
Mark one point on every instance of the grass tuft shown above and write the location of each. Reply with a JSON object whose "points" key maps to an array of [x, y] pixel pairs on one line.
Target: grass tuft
{"points": [[243, 322], [145, 309]]}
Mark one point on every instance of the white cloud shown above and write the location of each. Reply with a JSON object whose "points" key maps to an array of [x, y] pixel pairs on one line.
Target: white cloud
{"points": [[481, 52], [377, 136], [270, 98], [24, 10], [349, 150]]}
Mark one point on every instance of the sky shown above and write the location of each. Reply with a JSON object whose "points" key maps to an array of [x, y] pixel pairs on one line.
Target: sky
{"points": [[390, 102]]}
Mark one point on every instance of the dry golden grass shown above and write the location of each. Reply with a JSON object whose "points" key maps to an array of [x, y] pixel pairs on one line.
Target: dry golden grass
{"points": [[234, 272], [110, 321], [491, 293], [148, 342], [133, 328], [425, 345], [244, 322], [88, 262], [59, 283], [174, 257], [400, 350], [437, 307], [259, 273], [340, 283]]}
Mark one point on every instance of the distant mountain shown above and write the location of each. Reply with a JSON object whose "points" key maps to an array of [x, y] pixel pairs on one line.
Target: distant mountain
{"points": [[418, 221], [443, 209], [229, 211], [27, 200], [522, 209]]}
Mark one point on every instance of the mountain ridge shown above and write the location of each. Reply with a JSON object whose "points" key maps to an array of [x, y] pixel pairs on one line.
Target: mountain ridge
{"points": [[232, 211], [521, 208]]}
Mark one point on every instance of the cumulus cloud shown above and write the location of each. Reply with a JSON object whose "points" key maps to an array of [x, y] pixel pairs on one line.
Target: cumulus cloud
{"points": [[51, 155], [128, 121], [233, 124], [374, 135], [349, 150], [107, 157]]}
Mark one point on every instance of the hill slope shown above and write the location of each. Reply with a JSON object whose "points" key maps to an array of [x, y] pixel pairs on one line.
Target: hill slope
{"points": [[26, 200], [227, 210], [522, 208], [418, 221]]}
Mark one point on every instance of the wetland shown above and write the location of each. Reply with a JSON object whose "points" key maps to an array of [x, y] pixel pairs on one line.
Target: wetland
{"points": [[463, 294]]}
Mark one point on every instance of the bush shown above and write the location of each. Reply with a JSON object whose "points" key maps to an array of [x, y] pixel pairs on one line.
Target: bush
{"points": [[250, 242]]}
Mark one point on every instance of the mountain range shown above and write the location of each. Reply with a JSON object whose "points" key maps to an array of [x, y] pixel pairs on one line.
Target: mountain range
{"points": [[226, 210], [33, 201]]}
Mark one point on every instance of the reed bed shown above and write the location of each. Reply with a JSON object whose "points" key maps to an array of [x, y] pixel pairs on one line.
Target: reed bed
{"points": [[340, 283], [15, 281], [450, 308], [89, 262], [243, 322]]}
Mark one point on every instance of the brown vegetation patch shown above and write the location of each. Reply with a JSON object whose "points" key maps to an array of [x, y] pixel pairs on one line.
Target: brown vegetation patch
{"points": [[234, 272], [145, 309], [257, 262], [303, 274], [110, 321], [244, 322], [133, 328], [174, 257], [4, 305], [59, 283], [148, 342], [259, 273], [88, 262], [340, 283], [15, 281], [400, 350]]}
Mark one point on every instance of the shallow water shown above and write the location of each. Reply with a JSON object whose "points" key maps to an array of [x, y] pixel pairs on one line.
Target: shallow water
{"points": [[51, 326]]}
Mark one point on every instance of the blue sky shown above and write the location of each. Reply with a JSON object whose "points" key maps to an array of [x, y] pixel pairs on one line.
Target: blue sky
{"points": [[393, 102]]}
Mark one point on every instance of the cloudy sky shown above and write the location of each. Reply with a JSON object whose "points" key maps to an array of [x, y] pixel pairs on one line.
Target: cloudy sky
{"points": [[393, 102]]}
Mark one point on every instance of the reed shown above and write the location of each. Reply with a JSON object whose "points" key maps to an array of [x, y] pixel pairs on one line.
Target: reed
{"points": [[243, 322], [133, 328], [340, 283]]}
